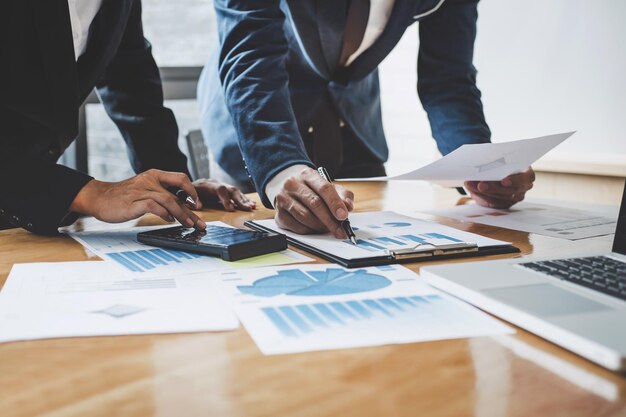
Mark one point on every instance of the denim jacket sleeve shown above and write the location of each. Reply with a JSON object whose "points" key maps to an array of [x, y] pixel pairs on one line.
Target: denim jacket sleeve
{"points": [[447, 77], [252, 69]]}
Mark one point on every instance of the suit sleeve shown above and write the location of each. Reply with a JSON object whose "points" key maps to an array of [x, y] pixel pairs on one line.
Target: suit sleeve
{"points": [[253, 51], [37, 192], [131, 92], [447, 77]]}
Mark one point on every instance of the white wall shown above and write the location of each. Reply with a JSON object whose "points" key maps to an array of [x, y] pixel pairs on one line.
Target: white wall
{"points": [[544, 67], [406, 125]]}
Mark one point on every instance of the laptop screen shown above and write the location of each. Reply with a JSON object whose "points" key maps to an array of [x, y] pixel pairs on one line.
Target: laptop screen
{"points": [[619, 244]]}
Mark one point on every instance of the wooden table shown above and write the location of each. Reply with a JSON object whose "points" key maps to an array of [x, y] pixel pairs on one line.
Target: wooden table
{"points": [[224, 374]]}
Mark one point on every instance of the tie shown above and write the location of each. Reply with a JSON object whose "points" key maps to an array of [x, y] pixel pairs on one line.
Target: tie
{"points": [[356, 22]]}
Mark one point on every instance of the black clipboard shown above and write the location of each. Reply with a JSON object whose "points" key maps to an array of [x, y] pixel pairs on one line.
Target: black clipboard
{"points": [[421, 253]]}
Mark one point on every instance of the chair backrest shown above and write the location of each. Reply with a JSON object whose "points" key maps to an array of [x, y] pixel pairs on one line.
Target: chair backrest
{"points": [[198, 155]]}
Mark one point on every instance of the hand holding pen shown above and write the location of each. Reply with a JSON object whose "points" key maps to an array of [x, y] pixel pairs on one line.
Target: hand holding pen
{"points": [[116, 202], [169, 195], [345, 224], [306, 203], [183, 197]]}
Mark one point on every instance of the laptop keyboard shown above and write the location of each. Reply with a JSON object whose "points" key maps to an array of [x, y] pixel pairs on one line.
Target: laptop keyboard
{"points": [[601, 273]]}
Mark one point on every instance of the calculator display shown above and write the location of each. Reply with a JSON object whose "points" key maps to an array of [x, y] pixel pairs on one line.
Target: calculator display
{"points": [[213, 235]]}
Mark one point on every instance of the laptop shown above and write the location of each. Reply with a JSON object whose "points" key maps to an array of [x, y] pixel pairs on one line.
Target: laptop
{"points": [[577, 302]]}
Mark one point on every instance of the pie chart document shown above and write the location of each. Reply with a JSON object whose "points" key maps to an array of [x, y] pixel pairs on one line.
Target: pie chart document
{"points": [[320, 307]]}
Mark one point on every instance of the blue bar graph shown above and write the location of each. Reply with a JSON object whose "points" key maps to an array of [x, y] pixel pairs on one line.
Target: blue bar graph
{"points": [[327, 312], [368, 245], [149, 259], [440, 236], [311, 315], [295, 318], [413, 238], [390, 303], [381, 243], [388, 240], [343, 310], [279, 322], [375, 306], [299, 320], [134, 257], [360, 310]]}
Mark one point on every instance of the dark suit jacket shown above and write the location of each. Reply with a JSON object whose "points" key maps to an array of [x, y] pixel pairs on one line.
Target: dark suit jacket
{"points": [[276, 75], [41, 89]]}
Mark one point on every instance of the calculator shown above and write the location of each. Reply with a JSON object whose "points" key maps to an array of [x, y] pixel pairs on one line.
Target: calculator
{"points": [[228, 243]]}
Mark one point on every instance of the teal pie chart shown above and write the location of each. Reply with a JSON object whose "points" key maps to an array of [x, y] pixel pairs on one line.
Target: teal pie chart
{"points": [[332, 281]]}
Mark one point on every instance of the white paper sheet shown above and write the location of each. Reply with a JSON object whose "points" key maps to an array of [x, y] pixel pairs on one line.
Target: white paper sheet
{"points": [[481, 162], [317, 307], [120, 248], [377, 232], [543, 219], [71, 299]]}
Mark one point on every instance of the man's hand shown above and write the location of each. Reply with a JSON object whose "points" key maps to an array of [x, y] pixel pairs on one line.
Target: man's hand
{"points": [[215, 193], [116, 202], [307, 203], [502, 194]]}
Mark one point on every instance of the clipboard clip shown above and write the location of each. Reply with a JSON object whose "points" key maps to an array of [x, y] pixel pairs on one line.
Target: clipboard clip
{"points": [[425, 250]]}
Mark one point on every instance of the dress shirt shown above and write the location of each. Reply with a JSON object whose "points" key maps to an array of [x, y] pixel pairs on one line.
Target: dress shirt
{"points": [[82, 13], [380, 10]]}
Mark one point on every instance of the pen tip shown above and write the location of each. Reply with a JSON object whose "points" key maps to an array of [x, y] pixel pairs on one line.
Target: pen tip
{"points": [[353, 240]]}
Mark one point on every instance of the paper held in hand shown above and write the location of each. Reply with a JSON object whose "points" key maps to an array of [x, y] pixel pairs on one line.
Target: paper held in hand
{"points": [[481, 162]]}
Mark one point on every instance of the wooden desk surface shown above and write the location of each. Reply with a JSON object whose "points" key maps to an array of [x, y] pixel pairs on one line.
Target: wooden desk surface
{"points": [[224, 374]]}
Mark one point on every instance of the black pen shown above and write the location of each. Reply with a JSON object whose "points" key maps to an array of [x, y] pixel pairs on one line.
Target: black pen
{"points": [[345, 223], [182, 196]]}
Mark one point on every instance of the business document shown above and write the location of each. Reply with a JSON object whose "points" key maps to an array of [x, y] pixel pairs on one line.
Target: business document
{"points": [[120, 248], [543, 219], [74, 299], [319, 307], [382, 231], [481, 162]]}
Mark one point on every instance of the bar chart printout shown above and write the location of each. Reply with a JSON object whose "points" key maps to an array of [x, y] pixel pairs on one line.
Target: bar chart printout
{"points": [[407, 240], [377, 233], [320, 307], [120, 248], [148, 259]]}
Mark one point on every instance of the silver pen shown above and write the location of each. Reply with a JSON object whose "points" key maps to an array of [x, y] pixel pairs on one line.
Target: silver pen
{"points": [[182, 196], [345, 224]]}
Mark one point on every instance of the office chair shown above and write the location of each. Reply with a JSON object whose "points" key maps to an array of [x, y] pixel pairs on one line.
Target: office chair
{"points": [[199, 164]]}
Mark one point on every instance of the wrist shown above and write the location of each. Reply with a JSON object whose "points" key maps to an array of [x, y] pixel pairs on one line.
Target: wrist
{"points": [[274, 185], [86, 197]]}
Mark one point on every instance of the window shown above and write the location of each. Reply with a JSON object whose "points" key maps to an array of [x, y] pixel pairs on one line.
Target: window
{"points": [[182, 34]]}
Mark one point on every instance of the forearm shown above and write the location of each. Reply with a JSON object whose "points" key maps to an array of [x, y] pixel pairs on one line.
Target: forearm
{"points": [[255, 81], [275, 184]]}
